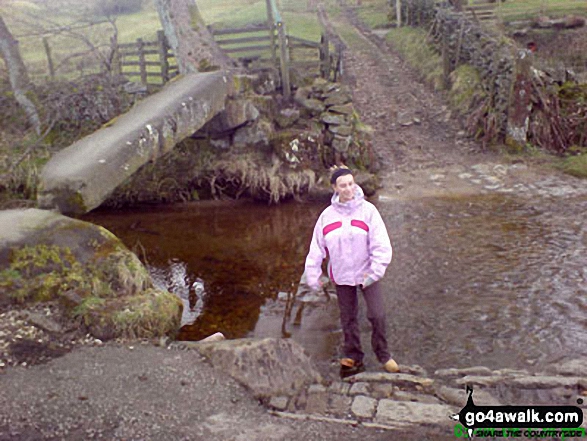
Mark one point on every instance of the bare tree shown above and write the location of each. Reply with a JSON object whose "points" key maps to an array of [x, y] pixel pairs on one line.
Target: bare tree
{"points": [[189, 38], [89, 23], [18, 75]]}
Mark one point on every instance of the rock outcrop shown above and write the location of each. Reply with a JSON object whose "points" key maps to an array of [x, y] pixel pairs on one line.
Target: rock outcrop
{"points": [[45, 256]]}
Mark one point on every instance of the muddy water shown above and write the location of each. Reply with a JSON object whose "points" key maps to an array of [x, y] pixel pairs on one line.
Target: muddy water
{"points": [[487, 280]]}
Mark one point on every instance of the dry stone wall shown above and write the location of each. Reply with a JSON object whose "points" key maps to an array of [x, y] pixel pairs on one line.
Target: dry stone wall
{"points": [[466, 42]]}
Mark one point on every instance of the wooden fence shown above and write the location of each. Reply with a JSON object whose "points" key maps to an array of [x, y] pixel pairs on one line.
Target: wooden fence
{"points": [[259, 45], [513, 10], [146, 60], [153, 62]]}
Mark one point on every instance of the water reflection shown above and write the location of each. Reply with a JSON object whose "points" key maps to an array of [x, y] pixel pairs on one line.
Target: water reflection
{"points": [[244, 252], [487, 280]]}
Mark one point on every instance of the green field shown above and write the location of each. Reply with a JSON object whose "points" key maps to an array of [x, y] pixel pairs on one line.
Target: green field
{"points": [[19, 16]]}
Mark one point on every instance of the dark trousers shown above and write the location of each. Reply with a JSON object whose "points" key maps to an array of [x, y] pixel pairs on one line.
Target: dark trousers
{"points": [[348, 303]]}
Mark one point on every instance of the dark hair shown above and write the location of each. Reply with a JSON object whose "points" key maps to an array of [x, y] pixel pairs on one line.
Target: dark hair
{"points": [[338, 173]]}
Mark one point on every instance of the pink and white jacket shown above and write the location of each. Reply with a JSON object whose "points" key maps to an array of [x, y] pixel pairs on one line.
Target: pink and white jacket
{"points": [[353, 237]]}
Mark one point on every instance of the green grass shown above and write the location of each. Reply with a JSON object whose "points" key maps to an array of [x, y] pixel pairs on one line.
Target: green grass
{"points": [[374, 13], [576, 165], [527, 9], [218, 13], [411, 43]]}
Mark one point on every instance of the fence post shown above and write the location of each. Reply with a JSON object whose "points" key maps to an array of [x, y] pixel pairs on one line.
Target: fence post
{"points": [[325, 56], [162, 46], [445, 61], [115, 60], [49, 58], [519, 100], [284, 60], [271, 25], [143, 67]]}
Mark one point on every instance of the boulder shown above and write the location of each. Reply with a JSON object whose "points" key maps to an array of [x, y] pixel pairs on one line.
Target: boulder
{"points": [[268, 367], [337, 98], [312, 107], [346, 109], [341, 143], [334, 118], [256, 135], [45, 256], [341, 130], [287, 118], [237, 113]]}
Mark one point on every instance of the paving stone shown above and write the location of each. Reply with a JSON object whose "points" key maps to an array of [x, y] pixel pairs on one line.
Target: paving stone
{"points": [[317, 403], [400, 395], [360, 389], [338, 387], [300, 401], [278, 403], [413, 370], [486, 381], [458, 397], [511, 372], [409, 413], [396, 379], [316, 388], [544, 382], [475, 370], [340, 405], [364, 407], [382, 390]]}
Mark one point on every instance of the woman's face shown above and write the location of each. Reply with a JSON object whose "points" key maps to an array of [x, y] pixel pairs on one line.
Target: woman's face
{"points": [[345, 187]]}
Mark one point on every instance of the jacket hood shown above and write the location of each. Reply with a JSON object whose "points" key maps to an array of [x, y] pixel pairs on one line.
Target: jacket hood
{"points": [[348, 207]]}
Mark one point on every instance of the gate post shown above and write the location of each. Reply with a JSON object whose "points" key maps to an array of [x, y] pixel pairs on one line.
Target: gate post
{"points": [[284, 60]]}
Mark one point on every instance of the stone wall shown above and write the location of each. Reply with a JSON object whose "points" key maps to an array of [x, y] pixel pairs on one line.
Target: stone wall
{"points": [[462, 41], [261, 145]]}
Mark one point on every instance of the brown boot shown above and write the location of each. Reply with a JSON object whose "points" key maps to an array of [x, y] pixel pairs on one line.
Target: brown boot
{"points": [[391, 366], [349, 367]]}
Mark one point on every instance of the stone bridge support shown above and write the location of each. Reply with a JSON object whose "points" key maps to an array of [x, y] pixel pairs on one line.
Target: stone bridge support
{"points": [[80, 177]]}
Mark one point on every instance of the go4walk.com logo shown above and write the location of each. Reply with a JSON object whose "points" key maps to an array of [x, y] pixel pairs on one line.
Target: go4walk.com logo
{"points": [[518, 421]]}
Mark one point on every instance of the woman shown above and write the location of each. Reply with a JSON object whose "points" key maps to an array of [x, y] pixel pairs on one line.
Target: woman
{"points": [[352, 235]]}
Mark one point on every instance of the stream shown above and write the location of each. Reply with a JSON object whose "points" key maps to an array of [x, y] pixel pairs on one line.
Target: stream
{"points": [[493, 280]]}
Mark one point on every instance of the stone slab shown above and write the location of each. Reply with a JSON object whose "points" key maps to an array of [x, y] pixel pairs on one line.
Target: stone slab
{"points": [[409, 413], [364, 407], [268, 367], [396, 379], [361, 388], [340, 405], [80, 177]]}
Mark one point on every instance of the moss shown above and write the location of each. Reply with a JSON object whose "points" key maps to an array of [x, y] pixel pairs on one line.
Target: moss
{"points": [[204, 65], [116, 289], [41, 273]]}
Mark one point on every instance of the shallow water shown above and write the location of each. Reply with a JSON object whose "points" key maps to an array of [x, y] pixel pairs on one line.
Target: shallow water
{"points": [[486, 280]]}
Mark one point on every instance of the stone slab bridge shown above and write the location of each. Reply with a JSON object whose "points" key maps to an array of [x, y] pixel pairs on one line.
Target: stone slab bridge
{"points": [[80, 177]]}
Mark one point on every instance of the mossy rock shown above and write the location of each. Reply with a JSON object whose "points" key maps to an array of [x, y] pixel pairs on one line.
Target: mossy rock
{"points": [[45, 256]]}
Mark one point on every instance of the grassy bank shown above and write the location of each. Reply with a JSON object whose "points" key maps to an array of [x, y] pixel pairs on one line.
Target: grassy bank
{"points": [[412, 46]]}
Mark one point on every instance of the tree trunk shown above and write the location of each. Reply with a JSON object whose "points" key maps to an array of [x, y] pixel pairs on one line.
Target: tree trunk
{"points": [[18, 75], [189, 38]]}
